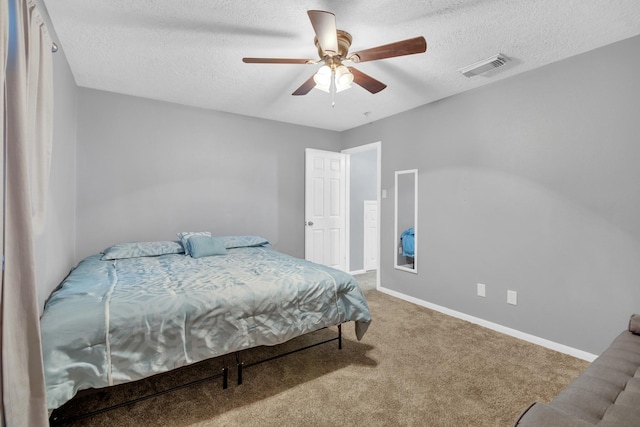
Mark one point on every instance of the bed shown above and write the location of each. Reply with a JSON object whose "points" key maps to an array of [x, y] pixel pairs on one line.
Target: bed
{"points": [[140, 309]]}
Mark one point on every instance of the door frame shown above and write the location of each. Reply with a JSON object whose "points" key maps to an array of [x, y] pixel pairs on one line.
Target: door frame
{"points": [[366, 147]]}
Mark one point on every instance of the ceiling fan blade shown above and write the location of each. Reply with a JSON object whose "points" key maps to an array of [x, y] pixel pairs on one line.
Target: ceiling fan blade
{"points": [[276, 61], [324, 24], [401, 48], [306, 87], [366, 81]]}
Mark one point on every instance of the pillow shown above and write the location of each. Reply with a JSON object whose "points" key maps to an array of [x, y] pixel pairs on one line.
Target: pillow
{"points": [[141, 249], [184, 238], [200, 246], [244, 241]]}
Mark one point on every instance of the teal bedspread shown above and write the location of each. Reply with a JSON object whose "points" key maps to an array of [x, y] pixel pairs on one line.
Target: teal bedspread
{"points": [[117, 321]]}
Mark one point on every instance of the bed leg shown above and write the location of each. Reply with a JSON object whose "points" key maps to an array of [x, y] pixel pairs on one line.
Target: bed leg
{"points": [[225, 378], [239, 365], [340, 337]]}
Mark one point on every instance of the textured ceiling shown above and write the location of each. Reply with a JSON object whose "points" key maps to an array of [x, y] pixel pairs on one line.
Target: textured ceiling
{"points": [[190, 51]]}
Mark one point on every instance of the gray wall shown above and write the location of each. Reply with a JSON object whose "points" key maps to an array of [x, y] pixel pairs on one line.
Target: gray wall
{"points": [[55, 246], [149, 169], [364, 165], [528, 184]]}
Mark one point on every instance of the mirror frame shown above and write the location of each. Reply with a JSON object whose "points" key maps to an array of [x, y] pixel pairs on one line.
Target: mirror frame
{"points": [[397, 233]]}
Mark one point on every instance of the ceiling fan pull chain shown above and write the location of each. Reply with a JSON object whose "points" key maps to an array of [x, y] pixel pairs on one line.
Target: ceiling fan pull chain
{"points": [[333, 88]]}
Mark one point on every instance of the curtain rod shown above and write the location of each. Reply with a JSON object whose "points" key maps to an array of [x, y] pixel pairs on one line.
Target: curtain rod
{"points": [[54, 47]]}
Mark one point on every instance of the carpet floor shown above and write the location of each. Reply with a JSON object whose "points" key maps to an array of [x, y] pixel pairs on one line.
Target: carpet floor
{"points": [[414, 367]]}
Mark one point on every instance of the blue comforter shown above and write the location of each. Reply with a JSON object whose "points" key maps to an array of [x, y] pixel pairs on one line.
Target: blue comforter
{"points": [[117, 321]]}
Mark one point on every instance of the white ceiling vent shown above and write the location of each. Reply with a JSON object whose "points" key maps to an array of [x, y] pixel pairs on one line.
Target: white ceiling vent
{"points": [[485, 65]]}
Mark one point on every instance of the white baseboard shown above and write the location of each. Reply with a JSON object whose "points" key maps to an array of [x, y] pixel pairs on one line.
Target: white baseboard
{"points": [[353, 273], [494, 326]]}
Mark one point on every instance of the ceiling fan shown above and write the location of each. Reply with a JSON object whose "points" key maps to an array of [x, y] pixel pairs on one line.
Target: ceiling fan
{"points": [[333, 48]]}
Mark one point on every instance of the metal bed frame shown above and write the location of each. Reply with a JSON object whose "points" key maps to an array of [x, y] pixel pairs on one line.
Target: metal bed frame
{"points": [[241, 366], [55, 419]]}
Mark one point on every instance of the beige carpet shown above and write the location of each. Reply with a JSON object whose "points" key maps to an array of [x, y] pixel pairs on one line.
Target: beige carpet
{"points": [[414, 367], [367, 281]]}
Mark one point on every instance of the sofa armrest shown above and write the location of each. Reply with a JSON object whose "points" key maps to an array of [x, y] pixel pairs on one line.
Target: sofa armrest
{"points": [[541, 415], [634, 324]]}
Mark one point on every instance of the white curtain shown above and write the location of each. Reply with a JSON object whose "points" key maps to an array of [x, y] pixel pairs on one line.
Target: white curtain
{"points": [[27, 116], [4, 48]]}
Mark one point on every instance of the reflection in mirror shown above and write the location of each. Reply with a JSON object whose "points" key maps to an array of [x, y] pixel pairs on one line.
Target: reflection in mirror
{"points": [[406, 212]]}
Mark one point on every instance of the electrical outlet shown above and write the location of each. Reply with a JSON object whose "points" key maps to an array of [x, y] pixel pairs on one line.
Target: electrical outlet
{"points": [[482, 290], [399, 251], [512, 297]]}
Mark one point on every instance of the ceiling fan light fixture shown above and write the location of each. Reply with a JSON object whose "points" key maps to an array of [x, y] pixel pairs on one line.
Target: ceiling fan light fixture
{"points": [[323, 76], [344, 78], [324, 88]]}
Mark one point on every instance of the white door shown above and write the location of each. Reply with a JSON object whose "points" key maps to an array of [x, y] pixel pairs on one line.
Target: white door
{"points": [[370, 235], [325, 208]]}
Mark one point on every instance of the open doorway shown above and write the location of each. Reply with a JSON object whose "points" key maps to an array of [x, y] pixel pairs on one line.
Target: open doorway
{"points": [[363, 213]]}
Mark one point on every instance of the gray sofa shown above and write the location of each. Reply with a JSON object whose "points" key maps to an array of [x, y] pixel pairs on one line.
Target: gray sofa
{"points": [[607, 394]]}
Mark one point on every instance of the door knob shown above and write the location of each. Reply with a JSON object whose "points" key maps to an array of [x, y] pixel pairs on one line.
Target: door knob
{"points": [[309, 223]]}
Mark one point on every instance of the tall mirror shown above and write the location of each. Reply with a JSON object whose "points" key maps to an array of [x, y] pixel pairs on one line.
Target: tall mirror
{"points": [[406, 213]]}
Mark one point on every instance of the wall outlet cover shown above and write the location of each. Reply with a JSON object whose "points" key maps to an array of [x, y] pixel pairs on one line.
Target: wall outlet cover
{"points": [[512, 297], [482, 290]]}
